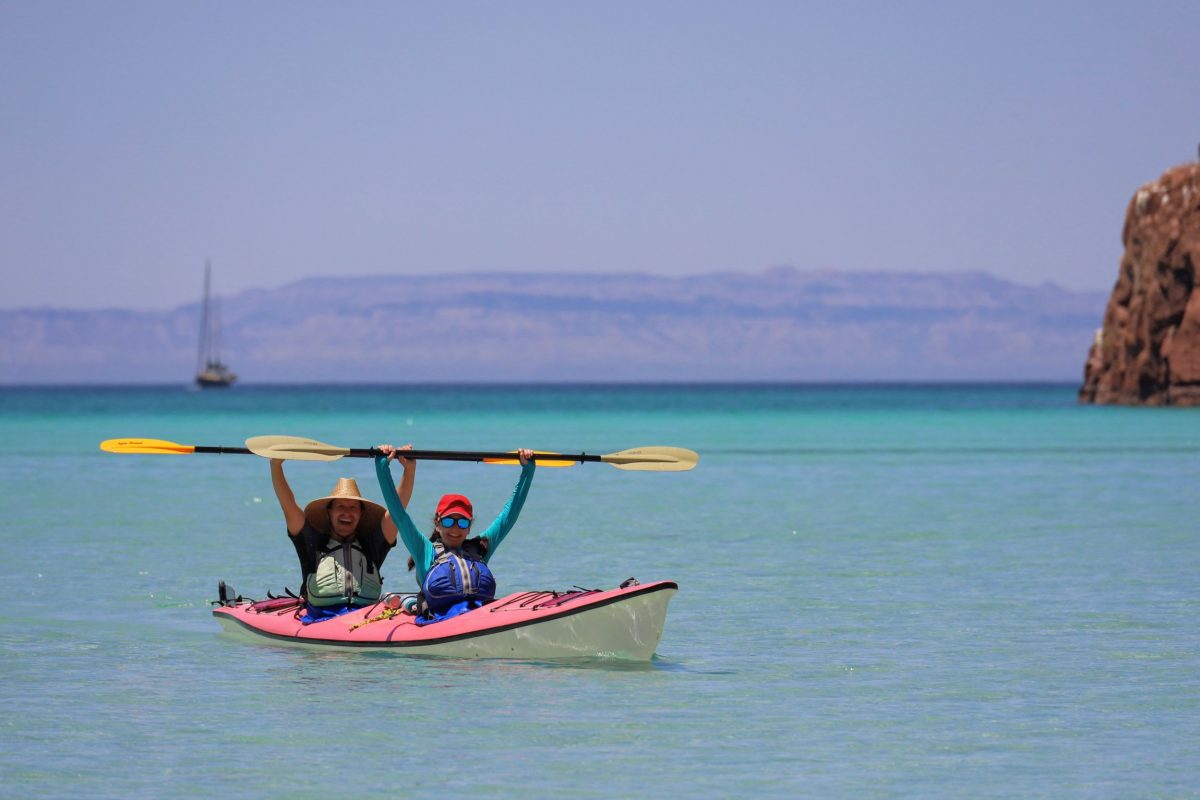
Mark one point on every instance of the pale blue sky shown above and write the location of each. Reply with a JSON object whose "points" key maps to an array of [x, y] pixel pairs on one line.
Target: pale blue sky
{"points": [[293, 139]]}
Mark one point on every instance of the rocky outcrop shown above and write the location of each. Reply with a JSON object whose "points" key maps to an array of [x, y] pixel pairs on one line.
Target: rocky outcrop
{"points": [[1148, 351]]}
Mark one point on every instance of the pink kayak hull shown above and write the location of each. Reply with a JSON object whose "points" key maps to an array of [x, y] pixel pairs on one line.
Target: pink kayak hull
{"points": [[624, 623]]}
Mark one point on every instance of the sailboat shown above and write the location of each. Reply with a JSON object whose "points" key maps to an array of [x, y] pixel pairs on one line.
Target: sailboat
{"points": [[211, 372]]}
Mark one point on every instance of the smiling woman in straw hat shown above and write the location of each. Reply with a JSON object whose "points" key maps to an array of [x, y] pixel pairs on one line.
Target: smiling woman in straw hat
{"points": [[341, 540]]}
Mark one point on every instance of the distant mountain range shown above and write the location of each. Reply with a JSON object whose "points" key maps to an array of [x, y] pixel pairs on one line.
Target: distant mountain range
{"points": [[779, 325]]}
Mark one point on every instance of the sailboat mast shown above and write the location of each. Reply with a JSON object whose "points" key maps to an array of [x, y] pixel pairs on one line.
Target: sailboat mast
{"points": [[216, 331], [202, 356]]}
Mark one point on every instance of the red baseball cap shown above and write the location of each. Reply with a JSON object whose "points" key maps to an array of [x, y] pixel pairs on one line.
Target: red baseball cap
{"points": [[455, 504]]}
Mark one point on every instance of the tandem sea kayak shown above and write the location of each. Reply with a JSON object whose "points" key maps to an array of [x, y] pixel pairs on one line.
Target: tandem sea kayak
{"points": [[624, 623]]}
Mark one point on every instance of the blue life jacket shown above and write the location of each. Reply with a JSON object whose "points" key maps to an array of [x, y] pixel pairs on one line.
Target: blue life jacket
{"points": [[457, 577]]}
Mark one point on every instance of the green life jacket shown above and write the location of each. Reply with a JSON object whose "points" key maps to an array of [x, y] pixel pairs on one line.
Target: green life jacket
{"points": [[344, 576]]}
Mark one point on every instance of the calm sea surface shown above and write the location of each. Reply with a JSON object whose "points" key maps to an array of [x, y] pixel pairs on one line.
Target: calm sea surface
{"points": [[972, 591]]}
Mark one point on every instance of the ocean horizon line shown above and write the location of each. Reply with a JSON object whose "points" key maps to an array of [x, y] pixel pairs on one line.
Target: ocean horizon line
{"points": [[563, 384]]}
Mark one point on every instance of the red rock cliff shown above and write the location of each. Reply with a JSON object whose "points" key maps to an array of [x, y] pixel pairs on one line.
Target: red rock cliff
{"points": [[1148, 352]]}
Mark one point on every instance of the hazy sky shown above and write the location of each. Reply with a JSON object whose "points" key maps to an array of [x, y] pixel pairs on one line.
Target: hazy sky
{"points": [[292, 139]]}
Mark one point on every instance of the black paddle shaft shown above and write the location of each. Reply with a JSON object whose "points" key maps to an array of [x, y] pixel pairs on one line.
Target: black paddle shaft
{"points": [[460, 455]]}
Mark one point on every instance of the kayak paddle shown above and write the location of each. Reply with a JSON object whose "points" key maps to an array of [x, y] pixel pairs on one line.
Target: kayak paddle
{"points": [[295, 448], [654, 459], [160, 447]]}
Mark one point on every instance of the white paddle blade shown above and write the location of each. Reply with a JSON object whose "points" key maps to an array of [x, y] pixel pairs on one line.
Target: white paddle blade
{"points": [[653, 459], [294, 448]]}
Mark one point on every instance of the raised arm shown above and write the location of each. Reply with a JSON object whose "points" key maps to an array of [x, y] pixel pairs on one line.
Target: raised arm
{"points": [[403, 491], [292, 513], [408, 479], [420, 548], [503, 523]]}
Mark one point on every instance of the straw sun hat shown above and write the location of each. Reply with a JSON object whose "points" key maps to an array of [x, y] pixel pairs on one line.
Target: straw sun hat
{"points": [[317, 512]]}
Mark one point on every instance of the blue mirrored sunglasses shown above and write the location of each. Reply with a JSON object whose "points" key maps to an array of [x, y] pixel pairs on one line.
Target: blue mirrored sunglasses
{"points": [[450, 522]]}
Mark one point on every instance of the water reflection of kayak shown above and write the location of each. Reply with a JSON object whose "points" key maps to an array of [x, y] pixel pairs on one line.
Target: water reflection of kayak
{"points": [[624, 623]]}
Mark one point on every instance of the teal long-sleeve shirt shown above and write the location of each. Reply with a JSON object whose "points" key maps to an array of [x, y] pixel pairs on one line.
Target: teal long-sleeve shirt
{"points": [[419, 545]]}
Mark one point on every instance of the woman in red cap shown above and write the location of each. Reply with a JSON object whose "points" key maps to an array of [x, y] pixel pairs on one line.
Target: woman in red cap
{"points": [[451, 568]]}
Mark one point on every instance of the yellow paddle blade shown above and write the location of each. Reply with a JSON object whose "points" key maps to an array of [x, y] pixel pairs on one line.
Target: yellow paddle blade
{"points": [[653, 459], [294, 448], [146, 446], [540, 462]]}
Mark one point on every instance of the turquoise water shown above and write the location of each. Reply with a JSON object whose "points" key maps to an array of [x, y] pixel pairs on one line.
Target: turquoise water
{"points": [[972, 591]]}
